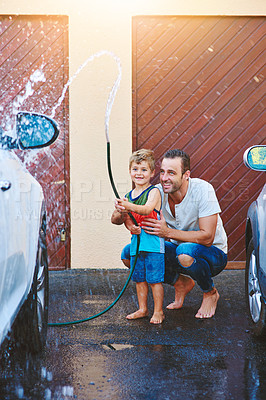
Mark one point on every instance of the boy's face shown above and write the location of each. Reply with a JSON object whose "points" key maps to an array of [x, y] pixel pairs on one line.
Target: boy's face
{"points": [[141, 173]]}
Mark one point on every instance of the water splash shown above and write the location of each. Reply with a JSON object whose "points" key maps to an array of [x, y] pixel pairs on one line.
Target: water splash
{"points": [[38, 76], [9, 123]]}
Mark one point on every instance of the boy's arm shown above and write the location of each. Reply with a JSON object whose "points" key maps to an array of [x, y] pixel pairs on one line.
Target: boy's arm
{"points": [[154, 201]]}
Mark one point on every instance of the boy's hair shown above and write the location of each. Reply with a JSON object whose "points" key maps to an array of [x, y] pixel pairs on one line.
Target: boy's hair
{"points": [[177, 153], [143, 155]]}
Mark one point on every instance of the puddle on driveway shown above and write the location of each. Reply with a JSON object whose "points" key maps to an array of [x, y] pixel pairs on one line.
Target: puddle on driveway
{"points": [[117, 346], [120, 370], [23, 376]]}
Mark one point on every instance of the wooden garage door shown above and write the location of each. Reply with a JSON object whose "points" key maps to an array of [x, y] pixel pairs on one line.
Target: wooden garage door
{"points": [[198, 85], [33, 72]]}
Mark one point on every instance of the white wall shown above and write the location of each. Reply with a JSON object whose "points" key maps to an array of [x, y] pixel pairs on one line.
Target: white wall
{"points": [[95, 26]]}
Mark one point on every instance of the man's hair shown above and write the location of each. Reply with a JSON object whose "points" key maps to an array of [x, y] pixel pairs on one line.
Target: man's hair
{"points": [[143, 155], [177, 153]]}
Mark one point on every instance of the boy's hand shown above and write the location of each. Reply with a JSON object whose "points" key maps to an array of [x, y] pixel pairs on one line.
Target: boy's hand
{"points": [[119, 206], [122, 204], [129, 224], [135, 230]]}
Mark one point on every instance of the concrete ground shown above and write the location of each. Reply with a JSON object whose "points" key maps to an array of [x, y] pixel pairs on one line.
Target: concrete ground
{"points": [[112, 358]]}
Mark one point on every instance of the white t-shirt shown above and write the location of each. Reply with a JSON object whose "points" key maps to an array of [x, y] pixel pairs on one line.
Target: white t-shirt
{"points": [[200, 201]]}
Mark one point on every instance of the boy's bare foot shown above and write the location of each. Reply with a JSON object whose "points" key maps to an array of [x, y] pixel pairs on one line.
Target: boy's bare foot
{"points": [[137, 314], [183, 286], [157, 318], [208, 305]]}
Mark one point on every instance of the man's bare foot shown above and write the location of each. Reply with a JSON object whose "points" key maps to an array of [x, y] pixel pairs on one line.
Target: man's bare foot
{"points": [[183, 286], [137, 314], [157, 318], [208, 305]]}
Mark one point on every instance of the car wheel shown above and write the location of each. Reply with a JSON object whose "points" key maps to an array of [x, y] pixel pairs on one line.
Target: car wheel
{"points": [[31, 328], [255, 303]]}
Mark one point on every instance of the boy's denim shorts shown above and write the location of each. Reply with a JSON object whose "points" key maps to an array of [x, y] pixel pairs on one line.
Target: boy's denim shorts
{"points": [[149, 266], [208, 262]]}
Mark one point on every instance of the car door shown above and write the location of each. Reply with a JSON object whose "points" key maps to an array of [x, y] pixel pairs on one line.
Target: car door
{"points": [[261, 204], [20, 198]]}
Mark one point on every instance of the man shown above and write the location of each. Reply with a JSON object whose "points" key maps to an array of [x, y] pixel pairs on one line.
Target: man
{"points": [[195, 240]]}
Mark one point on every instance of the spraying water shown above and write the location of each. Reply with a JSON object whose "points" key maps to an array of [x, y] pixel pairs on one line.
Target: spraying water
{"points": [[38, 76], [112, 93]]}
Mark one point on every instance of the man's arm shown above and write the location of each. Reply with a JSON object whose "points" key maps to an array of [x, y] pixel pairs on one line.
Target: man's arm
{"points": [[118, 218], [205, 235]]}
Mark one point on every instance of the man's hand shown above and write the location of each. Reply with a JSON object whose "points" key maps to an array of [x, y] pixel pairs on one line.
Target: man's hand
{"points": [[155, 227], [205, 235]]}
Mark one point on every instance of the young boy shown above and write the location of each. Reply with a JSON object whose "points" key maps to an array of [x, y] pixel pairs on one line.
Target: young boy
{"points": [[145, 201]]}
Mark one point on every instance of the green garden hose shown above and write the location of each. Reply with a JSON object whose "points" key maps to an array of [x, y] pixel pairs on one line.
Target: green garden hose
{"points": [[131, 268]]}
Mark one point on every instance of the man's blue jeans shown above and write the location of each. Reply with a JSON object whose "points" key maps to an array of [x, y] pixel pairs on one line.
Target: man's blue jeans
{"points": [[208, 262]]}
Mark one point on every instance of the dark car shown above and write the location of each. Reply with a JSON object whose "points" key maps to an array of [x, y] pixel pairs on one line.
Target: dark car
{"points": [[255, 273]]}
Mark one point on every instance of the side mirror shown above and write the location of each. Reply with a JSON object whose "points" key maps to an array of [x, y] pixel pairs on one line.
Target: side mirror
{"points": [[255, 158], [35, 131]]}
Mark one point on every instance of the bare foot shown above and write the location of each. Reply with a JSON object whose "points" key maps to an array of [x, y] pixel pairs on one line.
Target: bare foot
{"points": [[183, 286], [137, 314], [208, 305], [157, 318]]}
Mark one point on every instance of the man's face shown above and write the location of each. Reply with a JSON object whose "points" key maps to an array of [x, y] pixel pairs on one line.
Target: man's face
{"points": [[171, 175]]}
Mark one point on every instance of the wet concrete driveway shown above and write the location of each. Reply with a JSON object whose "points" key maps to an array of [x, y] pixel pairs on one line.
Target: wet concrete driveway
{"points": [[112, 358]]}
